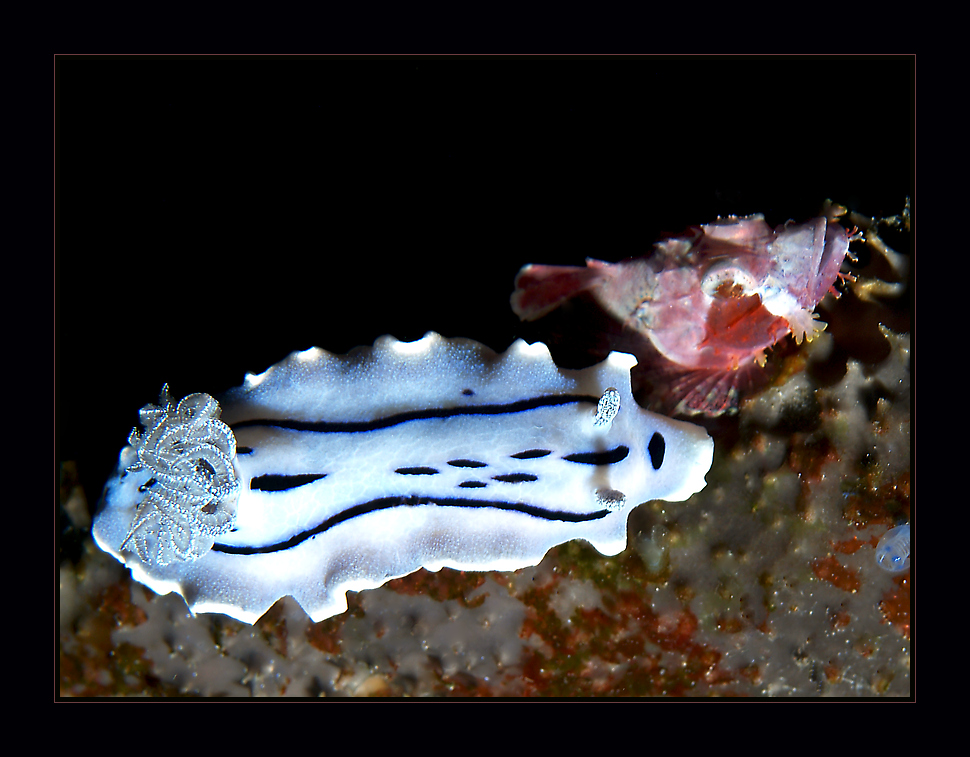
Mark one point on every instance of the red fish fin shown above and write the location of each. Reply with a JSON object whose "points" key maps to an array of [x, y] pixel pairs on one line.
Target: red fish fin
{"points": [[707, 393], [710, 392], [540, 289]]}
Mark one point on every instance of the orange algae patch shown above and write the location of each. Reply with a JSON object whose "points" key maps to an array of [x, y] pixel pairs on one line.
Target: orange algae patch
{"points": [[895, 604], [833, 673], [443, 585], [272, 626], [116, 604], [93, 665], [879, 505], [751, 673], [326, 635], [809, 455], [831, 570], [622, 648], [853, 545]]}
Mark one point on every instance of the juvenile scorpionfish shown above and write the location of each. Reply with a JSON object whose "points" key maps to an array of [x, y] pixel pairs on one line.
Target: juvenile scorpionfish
{"points": [[701, 309]]}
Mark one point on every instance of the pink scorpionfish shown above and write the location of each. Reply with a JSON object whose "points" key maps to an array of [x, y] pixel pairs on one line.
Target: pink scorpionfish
{"points": [[700, 311]]}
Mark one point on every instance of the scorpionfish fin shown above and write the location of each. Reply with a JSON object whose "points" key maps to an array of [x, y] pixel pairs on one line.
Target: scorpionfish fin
{"points": [[540, 289]]}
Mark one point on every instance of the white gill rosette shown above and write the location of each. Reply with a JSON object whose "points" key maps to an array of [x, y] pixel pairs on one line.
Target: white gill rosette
{"points": [[191, 497]]}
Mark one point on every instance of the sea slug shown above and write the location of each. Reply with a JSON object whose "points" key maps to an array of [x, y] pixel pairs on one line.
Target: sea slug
{"points": [[328, 473]]}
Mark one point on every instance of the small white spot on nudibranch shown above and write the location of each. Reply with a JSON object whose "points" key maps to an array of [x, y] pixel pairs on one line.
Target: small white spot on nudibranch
{"points": [[892, 552], [607, 408]]}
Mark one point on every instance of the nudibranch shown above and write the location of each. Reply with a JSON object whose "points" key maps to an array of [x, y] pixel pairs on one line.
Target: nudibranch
{"points": [[892, 551], [702, 308], [333, 473]]}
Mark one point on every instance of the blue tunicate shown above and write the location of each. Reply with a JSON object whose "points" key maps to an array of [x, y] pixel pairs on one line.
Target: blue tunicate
{"points": [[892, 551]]}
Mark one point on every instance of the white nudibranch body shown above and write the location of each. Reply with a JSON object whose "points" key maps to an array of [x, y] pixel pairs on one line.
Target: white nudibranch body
{"points": [[329, 473]]}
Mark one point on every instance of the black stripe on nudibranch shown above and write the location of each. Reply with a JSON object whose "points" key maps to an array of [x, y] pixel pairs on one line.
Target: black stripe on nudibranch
{"points": [[416, 471], [244, 450], [607, 457], [467, 463], [274, 482], [516, 478], [656, 448], [472, 484], [529, 454], [347, 427], [386, 503]]}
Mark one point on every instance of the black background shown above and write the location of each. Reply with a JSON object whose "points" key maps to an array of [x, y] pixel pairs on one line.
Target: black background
{"points": [[213, 214]]}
